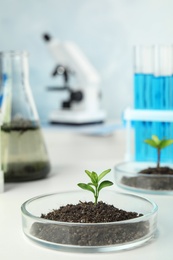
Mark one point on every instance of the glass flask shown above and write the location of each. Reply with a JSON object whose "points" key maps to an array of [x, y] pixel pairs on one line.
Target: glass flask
{"points": [[24, 154]]}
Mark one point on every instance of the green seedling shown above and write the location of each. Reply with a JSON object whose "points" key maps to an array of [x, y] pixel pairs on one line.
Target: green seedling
{"points": [[158, 144], [94, 186]]}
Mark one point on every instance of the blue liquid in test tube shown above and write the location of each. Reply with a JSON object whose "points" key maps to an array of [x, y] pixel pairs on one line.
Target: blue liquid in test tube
{"points": [[139, 80], [142, 96]]}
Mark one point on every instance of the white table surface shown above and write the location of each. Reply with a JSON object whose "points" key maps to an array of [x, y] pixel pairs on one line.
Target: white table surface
{"points": [[70, 154]]}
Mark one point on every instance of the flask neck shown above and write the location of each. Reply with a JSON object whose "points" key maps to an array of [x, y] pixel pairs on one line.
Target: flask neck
{"points": [[19, 70], [18, 102]]}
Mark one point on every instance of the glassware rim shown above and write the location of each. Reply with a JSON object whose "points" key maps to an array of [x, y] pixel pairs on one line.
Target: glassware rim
{"points": [[14, 53], [25, 212], [119, 167]]}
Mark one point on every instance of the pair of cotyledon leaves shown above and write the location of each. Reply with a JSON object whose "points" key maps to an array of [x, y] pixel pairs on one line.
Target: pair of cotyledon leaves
{"points": [[157, 143]]}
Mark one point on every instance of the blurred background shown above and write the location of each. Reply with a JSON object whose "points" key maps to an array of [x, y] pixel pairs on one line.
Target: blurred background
{"points": [[105, 30]]}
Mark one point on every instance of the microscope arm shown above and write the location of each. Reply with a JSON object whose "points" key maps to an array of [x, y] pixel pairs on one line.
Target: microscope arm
{"points": [[68, 54]]}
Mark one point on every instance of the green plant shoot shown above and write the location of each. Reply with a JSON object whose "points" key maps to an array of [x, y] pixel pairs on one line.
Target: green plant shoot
{"points": [[158, 144], [94, 186]]}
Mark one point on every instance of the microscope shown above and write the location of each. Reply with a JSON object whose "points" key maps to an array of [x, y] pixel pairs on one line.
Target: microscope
{"points": [[83, 105]]}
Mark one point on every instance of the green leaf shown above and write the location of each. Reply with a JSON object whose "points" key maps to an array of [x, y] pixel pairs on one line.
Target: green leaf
{"points": [[104, 184], [88, 173], [151, 142], [94, 177], [92, 184], [103, 174], [156, 139], [165, 143], [86, 187]]}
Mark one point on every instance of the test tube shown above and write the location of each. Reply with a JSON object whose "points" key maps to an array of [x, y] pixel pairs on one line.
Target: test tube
{"points": [[163, 68], [143, 73], [162, 91]]}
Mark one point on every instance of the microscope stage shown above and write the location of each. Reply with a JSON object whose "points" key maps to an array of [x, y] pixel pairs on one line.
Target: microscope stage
{"points": [[77, 117]]}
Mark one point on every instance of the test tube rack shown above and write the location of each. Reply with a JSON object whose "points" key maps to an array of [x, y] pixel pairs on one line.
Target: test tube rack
{"points": [[153, 101]]}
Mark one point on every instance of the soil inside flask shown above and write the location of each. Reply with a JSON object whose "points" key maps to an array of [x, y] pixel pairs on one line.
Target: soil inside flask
{"points": [[25, 157]]}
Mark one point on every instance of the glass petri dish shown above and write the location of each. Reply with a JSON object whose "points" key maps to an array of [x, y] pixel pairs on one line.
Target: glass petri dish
{"points": [[127, 176], [89, 237]]}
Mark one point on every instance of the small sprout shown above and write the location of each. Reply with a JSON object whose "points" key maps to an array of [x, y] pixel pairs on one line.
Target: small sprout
{"points": [[158, 144], [94, 186]]}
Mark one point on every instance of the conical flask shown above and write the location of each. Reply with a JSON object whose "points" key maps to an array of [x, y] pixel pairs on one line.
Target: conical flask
{"points": [[24, 154]]}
